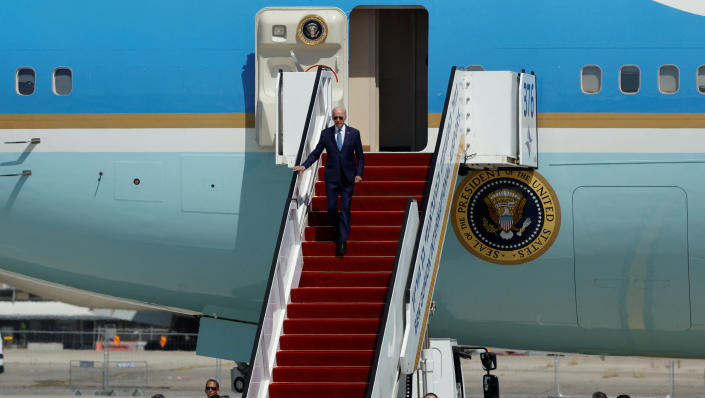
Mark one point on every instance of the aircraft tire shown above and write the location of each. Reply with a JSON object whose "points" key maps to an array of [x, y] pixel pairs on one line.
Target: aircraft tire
{"points": [[239, 384]]}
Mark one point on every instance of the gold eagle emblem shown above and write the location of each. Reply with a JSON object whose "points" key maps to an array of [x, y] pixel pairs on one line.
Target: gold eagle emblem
{"points": [[506, 208]]}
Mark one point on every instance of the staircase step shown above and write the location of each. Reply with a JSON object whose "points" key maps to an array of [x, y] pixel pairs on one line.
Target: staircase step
{"points": [[398, 188], [305, 390], [331, 326], [334, 316], [395, 158], [367, 203], [356, 233], [361, 218], [334, 310], [328, 342], [338, 295], [352, 264], [390, 173], [325, 358], [354, 248], [310, 374], [321, 279]]}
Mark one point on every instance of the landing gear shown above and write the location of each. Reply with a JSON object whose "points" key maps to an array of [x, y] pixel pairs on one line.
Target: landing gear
{"points": [[239, 384], [240, 375]]}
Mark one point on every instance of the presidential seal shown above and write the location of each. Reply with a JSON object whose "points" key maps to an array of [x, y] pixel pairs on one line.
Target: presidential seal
{"points": [[312, 30], [506, 216]]}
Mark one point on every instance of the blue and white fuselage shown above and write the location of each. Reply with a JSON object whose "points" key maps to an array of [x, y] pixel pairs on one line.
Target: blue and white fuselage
{"points": [[151, 186]]}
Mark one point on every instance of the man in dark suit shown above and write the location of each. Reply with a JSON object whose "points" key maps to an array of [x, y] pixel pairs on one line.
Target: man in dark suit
{"points": [[341, 143]]}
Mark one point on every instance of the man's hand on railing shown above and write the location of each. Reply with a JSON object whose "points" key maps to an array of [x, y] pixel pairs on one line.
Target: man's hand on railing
{"points": [[299, 169]]}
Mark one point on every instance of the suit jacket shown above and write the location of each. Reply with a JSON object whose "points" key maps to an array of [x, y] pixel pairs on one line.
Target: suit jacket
{"points": [[340, 165]]}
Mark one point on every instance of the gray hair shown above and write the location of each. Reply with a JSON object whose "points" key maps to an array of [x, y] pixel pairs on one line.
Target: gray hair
{"points": [[340, 108]]}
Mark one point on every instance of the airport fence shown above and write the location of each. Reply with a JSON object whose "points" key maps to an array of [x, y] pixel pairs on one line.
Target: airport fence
{"points": [[118, 374], [113, 340], [137, 359], [574, 375]]}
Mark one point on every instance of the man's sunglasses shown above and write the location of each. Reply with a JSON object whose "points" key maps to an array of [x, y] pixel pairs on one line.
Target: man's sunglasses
{"points": [[211, 388], [338, 117]]}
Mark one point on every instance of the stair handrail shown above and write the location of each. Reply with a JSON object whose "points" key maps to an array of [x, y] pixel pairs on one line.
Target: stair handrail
{"points": [[288, 259], [435, 209], [400, 340], [385, 368]]}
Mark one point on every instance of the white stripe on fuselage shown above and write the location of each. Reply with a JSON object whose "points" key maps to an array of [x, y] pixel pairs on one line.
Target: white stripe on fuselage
{"points": [[632, 140], [134, 140], [692, 6], [551, 140]]}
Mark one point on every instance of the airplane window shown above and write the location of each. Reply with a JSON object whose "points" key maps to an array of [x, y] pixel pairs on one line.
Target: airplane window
{"points": [[63, 81], [701, 79], [668, 79], [629, 79], [474, 68], [591, 79], [24, 81]]}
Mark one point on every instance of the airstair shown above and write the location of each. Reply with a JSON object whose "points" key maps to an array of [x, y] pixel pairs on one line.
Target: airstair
{"points": [[333, 318], [354, 326]]}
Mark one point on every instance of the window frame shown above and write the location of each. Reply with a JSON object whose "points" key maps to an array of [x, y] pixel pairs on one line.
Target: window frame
{"points": [[697, 88], [678, 82], [53, 81], [620, 79], [581, 79], [17, 81]]}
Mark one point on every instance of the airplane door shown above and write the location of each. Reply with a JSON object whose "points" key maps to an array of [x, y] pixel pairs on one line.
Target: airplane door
{"points": [[292, 39], [631, 258], [389, 76]]}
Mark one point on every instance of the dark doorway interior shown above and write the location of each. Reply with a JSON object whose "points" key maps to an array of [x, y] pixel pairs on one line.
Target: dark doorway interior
{"points": [[389, 76], [403, 79]]}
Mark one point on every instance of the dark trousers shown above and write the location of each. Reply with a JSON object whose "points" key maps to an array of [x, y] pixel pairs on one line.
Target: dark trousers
{"points": [[340, 222]]}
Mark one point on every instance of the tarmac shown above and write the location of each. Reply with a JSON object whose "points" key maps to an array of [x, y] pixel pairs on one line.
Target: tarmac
{"points": [[48, 373]]}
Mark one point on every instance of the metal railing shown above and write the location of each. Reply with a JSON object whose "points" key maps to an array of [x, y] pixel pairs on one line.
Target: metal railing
{"points": [[406, 314], [436, 206], [386, 368], [288, 258]]}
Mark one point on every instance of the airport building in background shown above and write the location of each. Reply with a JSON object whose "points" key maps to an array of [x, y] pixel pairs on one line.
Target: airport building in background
{"points": [[28, 320]]}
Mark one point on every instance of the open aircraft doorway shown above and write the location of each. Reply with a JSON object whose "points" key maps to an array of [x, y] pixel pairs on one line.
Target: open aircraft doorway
{"points": [[389, 76]]}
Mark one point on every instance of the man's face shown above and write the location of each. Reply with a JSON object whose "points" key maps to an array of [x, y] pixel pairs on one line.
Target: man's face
{"points": [[339, 118], [211, 389]]}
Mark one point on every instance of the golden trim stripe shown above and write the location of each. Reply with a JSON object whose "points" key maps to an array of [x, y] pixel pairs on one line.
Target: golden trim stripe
{"points": [[434, 120], [247, 120], [609, 120], [622, 120], [127, 120]]}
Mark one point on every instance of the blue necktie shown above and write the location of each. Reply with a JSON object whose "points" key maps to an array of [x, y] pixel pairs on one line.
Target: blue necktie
{"points": [[339, 139]]}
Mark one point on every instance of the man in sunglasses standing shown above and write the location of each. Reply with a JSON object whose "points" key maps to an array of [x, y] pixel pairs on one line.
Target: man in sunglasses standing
{"points": [[212, 388], [342, 144]]}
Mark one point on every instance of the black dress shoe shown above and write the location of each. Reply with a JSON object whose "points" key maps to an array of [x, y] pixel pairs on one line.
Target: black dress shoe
{"points": [[341, 248]]}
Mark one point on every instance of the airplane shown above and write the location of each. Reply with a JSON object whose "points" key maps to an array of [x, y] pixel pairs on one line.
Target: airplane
{"points": [[139, 166]]}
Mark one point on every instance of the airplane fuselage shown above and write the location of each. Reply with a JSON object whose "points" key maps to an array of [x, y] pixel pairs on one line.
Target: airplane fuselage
{"points": [[151, 183]]}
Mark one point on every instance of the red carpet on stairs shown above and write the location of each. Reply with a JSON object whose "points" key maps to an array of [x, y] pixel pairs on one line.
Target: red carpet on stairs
{"points": [[333, 320]]}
